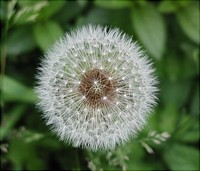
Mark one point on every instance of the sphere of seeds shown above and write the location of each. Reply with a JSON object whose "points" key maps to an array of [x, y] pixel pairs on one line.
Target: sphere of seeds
{"points": [[96, 88]]}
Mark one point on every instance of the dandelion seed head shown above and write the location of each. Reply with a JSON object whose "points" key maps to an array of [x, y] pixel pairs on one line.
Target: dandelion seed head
{"points": [[96, 88]]}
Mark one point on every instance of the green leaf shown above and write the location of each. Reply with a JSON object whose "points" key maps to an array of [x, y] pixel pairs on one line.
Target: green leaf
{"points": [[181, 157], [168, 6], [103, 16], [141, 2], [47, 33], [73, 9], [16, 45], [109, 17], [139, 165], [24, 155], [168, 117], [51, 8], [195, 105], [150, 29], [188, 19], [113, 4], [192, 135], [187, 129], [13, 90], [178, 68], [196, 55], [3, 10], [29, 3], [10, 119], [175, 93]]}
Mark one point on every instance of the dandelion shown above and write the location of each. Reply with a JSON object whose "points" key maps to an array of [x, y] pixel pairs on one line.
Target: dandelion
{"points": [[96, 88]]}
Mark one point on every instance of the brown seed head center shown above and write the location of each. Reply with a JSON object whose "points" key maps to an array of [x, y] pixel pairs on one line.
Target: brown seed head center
{"points": [[98, 88]]}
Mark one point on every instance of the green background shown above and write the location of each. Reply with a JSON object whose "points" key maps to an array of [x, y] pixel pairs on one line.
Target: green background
{"points": [[167, 30]]}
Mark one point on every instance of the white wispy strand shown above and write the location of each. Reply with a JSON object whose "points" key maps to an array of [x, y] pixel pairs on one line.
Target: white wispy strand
{"points": [[66, 110]]}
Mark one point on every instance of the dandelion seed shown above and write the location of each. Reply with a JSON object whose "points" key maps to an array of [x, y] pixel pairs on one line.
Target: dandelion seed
{"points": [[103, 88]]}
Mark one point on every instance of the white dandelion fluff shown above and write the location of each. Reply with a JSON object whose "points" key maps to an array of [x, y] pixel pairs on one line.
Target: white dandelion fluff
{"points": [[96, 88]]}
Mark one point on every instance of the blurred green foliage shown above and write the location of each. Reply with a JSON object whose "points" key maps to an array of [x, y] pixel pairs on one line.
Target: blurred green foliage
{"points": [[169, 33]]}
